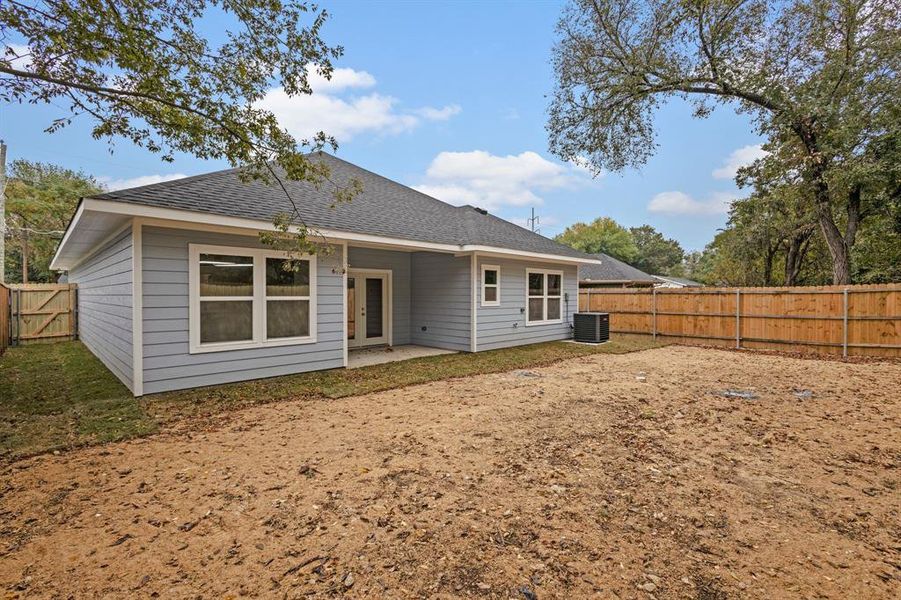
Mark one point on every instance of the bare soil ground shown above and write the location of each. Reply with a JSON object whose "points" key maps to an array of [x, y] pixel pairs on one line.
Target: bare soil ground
{"points": [[626, 476]]}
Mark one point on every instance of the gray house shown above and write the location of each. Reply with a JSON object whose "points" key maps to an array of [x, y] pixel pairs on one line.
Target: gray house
{"points": [[176, 290], [611, 272], [666, 281]]}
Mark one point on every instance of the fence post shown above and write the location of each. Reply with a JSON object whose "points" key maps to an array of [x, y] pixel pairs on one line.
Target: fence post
{"points": [[845, 323], [654, 312], [738, 318], [18, 310]]}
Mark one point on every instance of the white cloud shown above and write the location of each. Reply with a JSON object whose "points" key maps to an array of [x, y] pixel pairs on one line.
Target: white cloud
{"points": [[336, 110], [341, 79], [122, 184], [439, 114], [17, 55], [742, 157], [490, 181], [680, 203]]}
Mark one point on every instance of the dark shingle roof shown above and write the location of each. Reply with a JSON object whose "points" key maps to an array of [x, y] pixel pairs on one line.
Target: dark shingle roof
{"points": [[384, 208], [612, 269]]}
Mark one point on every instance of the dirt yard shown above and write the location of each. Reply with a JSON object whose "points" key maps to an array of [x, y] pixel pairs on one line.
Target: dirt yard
{"points": [[641, 475]]}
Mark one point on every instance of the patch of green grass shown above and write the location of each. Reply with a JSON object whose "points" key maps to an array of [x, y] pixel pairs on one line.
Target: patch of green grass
{"points": [[57, 396]]}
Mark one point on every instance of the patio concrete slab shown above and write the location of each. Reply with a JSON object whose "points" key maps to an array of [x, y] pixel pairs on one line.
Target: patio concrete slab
{"points": [[365, 357]]}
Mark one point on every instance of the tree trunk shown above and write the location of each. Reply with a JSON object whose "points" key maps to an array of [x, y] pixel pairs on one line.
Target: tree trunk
{"points": [[768, 265], [841, 259], [854, 216], [795, 252], [838, 248]]}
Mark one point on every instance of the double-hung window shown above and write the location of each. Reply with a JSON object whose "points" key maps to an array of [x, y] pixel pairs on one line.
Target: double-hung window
{"points": [[491, 285], [248, 298], [543, 296], [287, 298]]}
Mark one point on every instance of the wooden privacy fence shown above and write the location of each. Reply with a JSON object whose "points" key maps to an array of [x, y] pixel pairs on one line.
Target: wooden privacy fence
{"points": [[42, 312], [861, 320], [4, 317]]}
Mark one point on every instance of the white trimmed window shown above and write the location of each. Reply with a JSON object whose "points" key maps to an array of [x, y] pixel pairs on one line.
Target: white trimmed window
{"points": [[491, 285], [247, 298], [544, 291]]}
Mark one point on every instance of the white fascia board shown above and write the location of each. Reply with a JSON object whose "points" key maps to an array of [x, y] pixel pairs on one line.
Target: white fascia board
{"points": [[72, 224], [199, 220]]}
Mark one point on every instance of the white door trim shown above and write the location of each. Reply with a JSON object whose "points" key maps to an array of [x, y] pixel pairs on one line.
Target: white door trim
{"points": [[387, 306]]}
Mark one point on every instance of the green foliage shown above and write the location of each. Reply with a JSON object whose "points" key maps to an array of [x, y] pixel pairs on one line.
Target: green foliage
{"points": [[656, 255], [145, 71], [818, 79], [40, 200], [877, 254], [601, 235]]}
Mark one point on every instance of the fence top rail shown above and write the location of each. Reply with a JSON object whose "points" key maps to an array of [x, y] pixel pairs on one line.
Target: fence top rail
{"points": [[722, 291], [40, 286]]}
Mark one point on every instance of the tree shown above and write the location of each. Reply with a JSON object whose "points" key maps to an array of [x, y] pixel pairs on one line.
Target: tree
{"points": [[40, 201], [656, 254], [143, 70], [819, 74], [763, 233], [601, 235]]}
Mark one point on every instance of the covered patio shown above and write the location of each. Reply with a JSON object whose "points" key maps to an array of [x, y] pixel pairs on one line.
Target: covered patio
{"points": [[405, 303]]}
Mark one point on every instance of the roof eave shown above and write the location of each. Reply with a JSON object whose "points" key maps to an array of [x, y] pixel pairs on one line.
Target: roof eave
{"points": [[199, 220]]}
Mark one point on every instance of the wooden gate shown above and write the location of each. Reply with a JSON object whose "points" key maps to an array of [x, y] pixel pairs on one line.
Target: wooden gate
{"points": [[42, 312]]}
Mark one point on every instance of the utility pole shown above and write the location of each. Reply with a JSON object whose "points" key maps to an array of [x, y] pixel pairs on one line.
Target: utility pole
{"points": [[2, 212], [534, 221]]}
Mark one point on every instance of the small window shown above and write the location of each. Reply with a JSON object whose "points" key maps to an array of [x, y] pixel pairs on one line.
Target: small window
{"points": [[544, 297], [248, 298], [491, 285]]}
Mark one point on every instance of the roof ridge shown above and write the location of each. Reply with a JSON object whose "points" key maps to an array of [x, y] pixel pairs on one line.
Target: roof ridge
{"points": [[389, 180]]}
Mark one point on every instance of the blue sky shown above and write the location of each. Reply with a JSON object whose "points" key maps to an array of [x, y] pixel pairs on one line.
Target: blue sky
{"points": [[451, 98]]}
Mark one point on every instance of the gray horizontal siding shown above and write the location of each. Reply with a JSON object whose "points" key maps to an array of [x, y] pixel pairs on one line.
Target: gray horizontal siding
{"points": [[442, 301], [399, 264], [505, 325], [168, 365], [105, 305]]}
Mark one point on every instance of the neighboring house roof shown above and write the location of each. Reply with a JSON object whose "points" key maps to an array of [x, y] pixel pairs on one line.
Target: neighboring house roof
{"points": [[383, 208], [613, 271], [677, 281]]}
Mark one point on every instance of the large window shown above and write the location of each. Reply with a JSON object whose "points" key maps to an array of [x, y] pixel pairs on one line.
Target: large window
{"points": [[543, 296], [491, 285], [243, 298]]}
